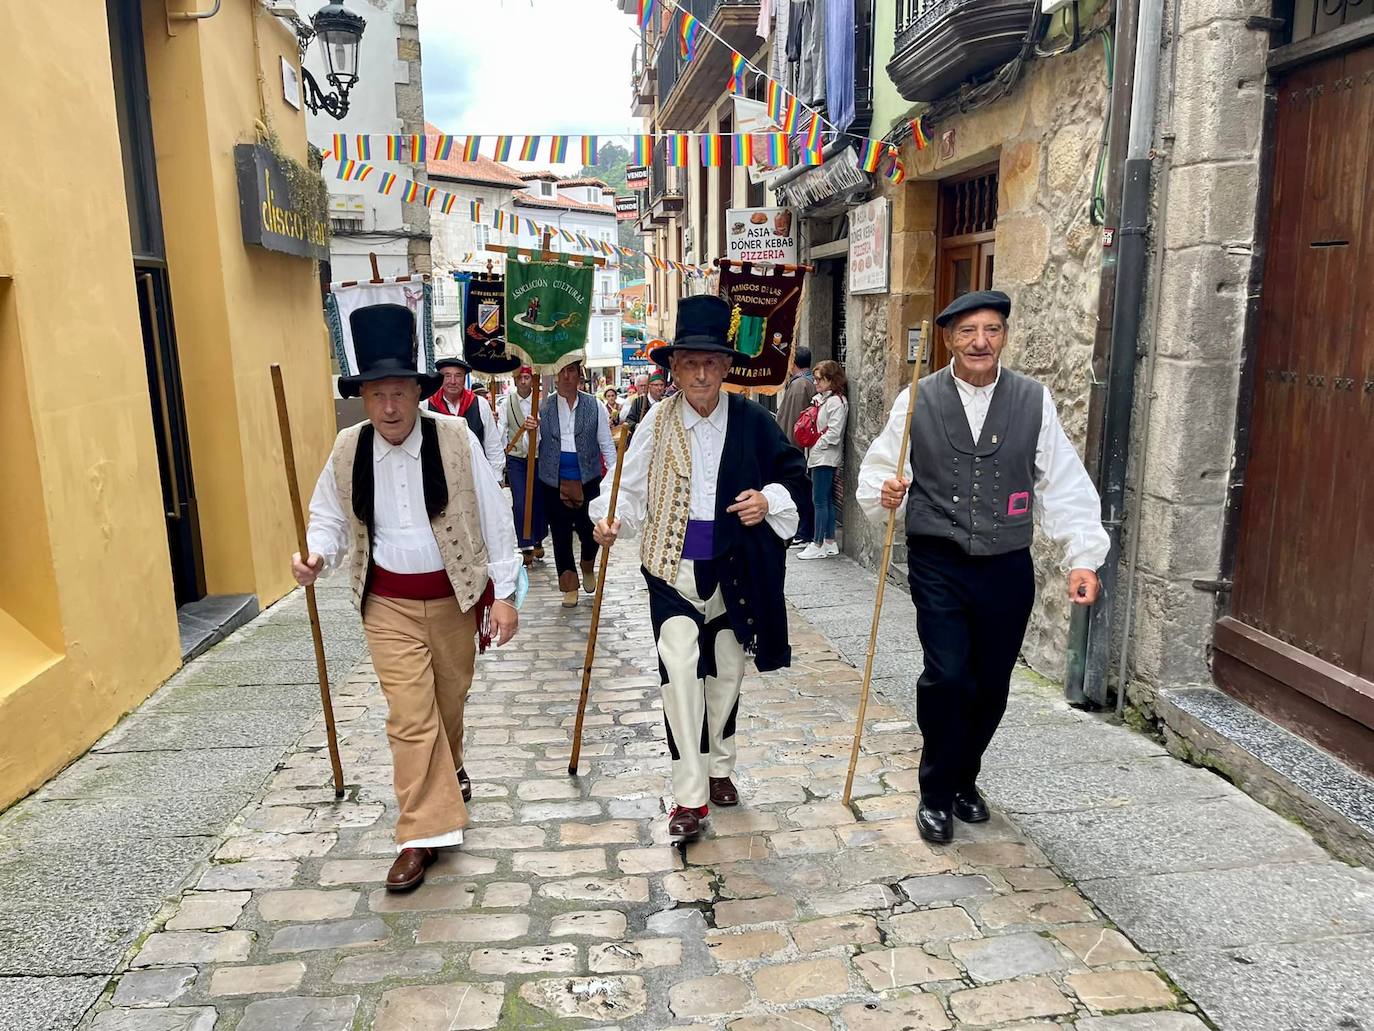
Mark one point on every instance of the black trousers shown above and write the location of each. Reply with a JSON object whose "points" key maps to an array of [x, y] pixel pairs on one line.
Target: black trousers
{"points": [[564, 520], [971, 615]]}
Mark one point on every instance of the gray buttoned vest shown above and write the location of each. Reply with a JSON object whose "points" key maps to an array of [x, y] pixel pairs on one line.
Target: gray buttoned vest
{"points": [[979, 495], [585, 427]]}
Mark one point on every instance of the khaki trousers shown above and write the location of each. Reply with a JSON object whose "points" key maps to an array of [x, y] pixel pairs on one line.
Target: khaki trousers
{"points": [[423, 652]]}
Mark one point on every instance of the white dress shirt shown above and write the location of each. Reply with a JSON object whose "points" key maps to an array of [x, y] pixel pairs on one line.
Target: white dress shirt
{"points": [[706, 440], [403, 540], [1066, 503], [567, 427], [522, 403]]}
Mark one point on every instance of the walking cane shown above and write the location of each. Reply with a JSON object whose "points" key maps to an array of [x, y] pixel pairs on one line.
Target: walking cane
{"points": [[882, 569], [289, 459], [621, 440]]}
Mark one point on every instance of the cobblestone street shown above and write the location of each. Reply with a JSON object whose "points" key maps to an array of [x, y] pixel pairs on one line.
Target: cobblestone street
{"points": [[566, 906]]}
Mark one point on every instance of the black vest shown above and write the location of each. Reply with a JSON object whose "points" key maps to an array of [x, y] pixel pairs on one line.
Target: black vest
{"points": [[473, 415], [980, 495]]}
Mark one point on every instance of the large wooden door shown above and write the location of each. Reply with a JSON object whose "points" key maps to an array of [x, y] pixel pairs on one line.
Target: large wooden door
{"points": [[1298, 641]]}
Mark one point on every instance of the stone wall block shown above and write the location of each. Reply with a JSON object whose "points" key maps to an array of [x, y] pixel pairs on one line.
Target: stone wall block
{"points": [[913, 206], [1196, 13], [1018, 177], [913, 261], [1025, 260], [1212, 204], [1191, 434], [1172, 631], [1219, 103], [1072, 151], [1203, 296], [1179, 540]]}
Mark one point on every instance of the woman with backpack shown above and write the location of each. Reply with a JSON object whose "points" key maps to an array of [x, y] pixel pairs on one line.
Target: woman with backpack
{"points": [[820, 429]]}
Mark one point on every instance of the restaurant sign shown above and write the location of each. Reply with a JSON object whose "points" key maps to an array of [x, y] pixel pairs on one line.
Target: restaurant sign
{"points": [[761, 234], [269, 216]]}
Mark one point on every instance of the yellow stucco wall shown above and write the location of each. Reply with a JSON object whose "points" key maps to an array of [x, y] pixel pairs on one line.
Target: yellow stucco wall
{"points": [[87, 617]]}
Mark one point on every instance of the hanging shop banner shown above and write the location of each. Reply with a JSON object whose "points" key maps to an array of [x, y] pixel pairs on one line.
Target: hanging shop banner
{"points": [[626, 209], [868, 247], [346, 298], [763, 318], [484, 324], [269, 215], [637, 177], [548, 305], [761, 234]]}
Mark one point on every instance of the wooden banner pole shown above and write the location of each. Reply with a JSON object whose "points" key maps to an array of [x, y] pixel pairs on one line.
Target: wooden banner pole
{"points": [[882, 568]]}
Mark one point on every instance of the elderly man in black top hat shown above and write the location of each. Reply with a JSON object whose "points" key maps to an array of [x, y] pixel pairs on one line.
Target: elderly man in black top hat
{"points": [[456, 399], [408, 502], [987, 456], [713, 538]]}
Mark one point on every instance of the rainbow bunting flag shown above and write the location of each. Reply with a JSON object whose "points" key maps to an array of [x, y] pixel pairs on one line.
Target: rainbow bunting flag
{"points": [[411, 191], [870, 153], [395, 148], [710, 150], [430, 193], [918, 133], [789, 116], [418, 148], [565, 234], [895, 170], [503, 145], [736, 72], [774, 101], [340, 149], [583, 241], [475, 210], [741, 149], [689, 32], [443, 146], [529, 150], [471, 148], [450, 199], [813, 132], [558, 148], [589, 150], [515, 225], [677, 149], [812, 155], [498, 220], [641, 150], [363, 144], [345, 169], [646, 12], [363, 172], [388, 181], [771, 148]]}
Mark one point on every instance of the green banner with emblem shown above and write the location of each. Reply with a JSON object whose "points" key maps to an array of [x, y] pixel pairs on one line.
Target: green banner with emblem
{"points": [[548, 305]]}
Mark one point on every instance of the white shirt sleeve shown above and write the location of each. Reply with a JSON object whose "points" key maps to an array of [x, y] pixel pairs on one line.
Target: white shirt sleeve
{"points": [[327, 533], [881, 463], [633, 500], [498, 530], [492, 440], [603, 436], [1066, 502], [783, 517]]}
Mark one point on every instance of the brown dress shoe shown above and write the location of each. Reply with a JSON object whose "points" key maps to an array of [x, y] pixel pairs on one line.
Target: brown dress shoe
{"points": [[465, 784], [723, 791], [528, 557], [409, 869], [539, 553], [589, 577], [684, 822]]}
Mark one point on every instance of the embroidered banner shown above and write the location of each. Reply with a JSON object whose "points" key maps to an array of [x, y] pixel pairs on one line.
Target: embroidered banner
{"points": [[764, 303], [484, 324], [548, 306]]}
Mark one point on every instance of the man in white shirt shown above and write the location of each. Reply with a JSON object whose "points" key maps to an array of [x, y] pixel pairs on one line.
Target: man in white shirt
{"points": [[713, 548], [987, 456], [515, 411], [408, 502]]}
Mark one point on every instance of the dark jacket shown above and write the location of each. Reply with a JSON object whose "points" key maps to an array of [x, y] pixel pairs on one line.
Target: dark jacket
{"points": [[795, 400], [753, 559]]}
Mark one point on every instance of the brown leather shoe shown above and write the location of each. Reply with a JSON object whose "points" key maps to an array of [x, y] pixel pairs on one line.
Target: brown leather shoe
{"points": [[684, 822], [589, 577], [528, 556], [539, 553], [409, 869], [465, 784], [723, 791]]}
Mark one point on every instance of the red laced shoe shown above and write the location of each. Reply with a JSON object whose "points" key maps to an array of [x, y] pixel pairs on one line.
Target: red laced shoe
{"points": [[685, 821]]}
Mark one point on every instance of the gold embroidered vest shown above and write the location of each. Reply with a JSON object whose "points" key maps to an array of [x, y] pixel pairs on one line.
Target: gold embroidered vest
{"points": [[670, 493]]}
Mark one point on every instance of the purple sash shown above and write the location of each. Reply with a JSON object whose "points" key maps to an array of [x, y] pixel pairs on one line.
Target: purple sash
{"points": [[699, 542]]}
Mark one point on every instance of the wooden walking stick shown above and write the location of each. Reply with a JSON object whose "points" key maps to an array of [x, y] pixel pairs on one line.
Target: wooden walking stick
{"points": [[882, 569], [289, 460], [621, 440]]}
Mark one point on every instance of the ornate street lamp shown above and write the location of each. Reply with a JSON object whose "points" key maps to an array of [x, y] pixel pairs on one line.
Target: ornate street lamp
{"points": [[339, 31]]}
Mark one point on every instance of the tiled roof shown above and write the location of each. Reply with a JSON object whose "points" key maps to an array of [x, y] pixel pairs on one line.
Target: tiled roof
{"points": [[483, 170], [544, 174], [529, 200], [585, 181]]}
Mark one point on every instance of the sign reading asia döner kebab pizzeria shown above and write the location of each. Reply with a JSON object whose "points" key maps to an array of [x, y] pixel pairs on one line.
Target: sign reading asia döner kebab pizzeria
{"points": [[761, 235]]}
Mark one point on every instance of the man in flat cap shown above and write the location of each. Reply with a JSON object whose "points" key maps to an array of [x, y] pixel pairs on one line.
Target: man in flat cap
{"points": [[455, 398], [988, 457], [408, 503]]}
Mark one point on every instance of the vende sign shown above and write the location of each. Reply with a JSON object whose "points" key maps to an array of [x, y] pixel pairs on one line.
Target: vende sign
{"points": [[637, 177], [761, 234], [626, 209]]}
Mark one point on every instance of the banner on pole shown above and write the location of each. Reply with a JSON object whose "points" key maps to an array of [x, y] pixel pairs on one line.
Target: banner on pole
{"points": [[344, 299], [484, 324], [548, 306], [764, 304]]}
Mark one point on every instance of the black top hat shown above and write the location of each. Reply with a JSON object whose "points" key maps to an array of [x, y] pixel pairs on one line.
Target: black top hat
{"points": [[976, 301], [703, 324], [384, 344]]}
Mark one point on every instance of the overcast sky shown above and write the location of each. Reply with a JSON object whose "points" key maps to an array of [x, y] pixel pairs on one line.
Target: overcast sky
{"points": [[518, 67]]}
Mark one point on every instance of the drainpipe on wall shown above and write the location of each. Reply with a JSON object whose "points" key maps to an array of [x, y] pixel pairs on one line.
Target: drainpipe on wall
{"points": [[1132, 267]]}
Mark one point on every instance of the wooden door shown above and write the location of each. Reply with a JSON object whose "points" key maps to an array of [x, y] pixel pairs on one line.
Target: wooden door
{"points": [[1298, 640], [967, 221]]}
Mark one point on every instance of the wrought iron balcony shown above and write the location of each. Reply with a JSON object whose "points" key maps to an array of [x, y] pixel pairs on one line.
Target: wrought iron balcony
{"points": [[665, 186], [642, 76], [686, 92], [941, 44]]}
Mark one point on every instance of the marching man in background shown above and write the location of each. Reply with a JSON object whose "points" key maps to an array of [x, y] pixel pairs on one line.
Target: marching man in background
{"points": [[409, 502], [454, 398], [987, 456], [516, 409]]}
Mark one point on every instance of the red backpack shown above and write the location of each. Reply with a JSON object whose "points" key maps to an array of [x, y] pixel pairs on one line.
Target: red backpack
{"points": [[806, 431]]}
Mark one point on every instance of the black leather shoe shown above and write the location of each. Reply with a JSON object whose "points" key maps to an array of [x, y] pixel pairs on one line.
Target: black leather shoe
{"points": [[970, 807], [935, 825]]}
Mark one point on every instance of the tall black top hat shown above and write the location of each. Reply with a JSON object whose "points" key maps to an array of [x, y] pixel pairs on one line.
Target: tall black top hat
{"points": [[384, 343], [703, 324]]}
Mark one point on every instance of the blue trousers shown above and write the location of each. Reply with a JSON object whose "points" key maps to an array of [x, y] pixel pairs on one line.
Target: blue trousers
{"points": [[539, 525], [823, 500]]}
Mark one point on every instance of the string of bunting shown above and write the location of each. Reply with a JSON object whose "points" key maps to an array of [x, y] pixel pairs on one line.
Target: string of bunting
{"points": [[409, 190]]}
